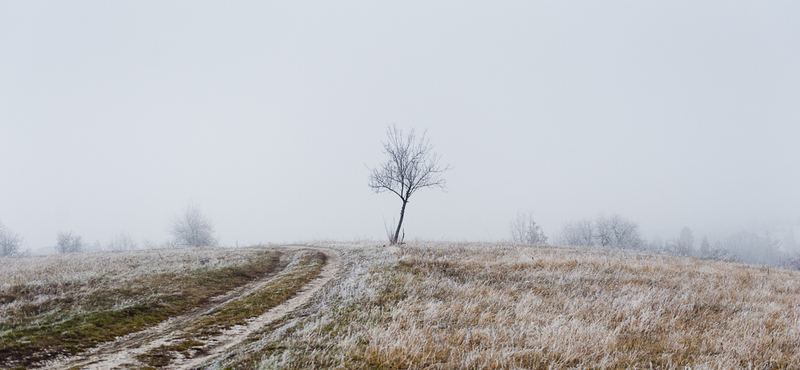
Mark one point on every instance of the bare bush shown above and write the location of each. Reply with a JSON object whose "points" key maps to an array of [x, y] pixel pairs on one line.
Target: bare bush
{"points": [[578, 233], [9, 242], [525, 230], [618, 232], [794, 262], [122, 242], [412, 165], [679, 247], [613, 232], [193, 229], [69, 243], [717, 252]]}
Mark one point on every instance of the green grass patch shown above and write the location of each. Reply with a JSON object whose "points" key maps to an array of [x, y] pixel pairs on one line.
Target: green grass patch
{"points": [[276, 291], [24, 344], [271, 294]]}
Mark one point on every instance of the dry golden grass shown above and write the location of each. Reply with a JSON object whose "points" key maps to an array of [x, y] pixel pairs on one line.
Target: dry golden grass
{"points": [[472, 306]]}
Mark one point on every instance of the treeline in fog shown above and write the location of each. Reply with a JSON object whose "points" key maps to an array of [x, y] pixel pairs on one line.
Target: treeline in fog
{"points": [[773, 247], [189, 229]]}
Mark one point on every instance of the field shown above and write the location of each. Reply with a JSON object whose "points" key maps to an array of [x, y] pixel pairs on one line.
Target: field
{"points": [[421, 306]]}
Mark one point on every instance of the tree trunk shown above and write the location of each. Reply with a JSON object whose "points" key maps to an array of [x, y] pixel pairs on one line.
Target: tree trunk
{"points": [[397, 232]]}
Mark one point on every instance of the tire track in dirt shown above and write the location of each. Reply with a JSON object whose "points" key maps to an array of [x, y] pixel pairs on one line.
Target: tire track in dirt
{"points": [[121, 353]]}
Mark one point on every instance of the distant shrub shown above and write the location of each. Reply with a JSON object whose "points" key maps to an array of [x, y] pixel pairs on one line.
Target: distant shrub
{"points": [[122, 242], [69, 243], [525, 230], [149, 244], [612, 231], [193, 229], [9, 242]]}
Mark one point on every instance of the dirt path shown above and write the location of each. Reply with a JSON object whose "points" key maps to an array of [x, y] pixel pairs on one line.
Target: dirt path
{"points": [[122, 353]]}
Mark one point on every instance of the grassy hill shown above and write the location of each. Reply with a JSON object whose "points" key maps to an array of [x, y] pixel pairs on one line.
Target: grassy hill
{"points": [[474, 306], [451, 306]]}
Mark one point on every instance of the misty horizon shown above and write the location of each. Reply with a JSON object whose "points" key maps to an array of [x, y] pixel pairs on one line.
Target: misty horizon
{"points": [[269, 116]]}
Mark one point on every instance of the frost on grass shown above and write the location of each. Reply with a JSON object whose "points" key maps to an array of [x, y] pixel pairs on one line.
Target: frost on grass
{"points": [[473, 306], [66, 279], [63, 304]]}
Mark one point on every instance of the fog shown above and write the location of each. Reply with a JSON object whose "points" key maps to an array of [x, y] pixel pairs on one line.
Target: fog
{"points": [[115, 116]]}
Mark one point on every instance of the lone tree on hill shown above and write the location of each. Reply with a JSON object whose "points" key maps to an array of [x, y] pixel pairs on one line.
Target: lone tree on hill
{"points": [[193, 229], [411, 165]]}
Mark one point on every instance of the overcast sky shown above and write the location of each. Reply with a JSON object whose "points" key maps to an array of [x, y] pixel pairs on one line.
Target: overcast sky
{"points": [[115, 115]]}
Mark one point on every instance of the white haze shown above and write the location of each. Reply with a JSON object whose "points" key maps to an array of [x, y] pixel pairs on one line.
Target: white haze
{"points": [[115, 115]]}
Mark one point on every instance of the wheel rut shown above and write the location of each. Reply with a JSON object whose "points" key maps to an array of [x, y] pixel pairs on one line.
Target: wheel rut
{"points": [[127, 352]]}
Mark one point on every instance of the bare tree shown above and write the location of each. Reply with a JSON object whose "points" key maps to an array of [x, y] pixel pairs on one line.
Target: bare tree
{"points": [[618, 232], [411, 165], [68, 243], [578, 233], [614, 232], [525, 230], [193, 229], [679, 247], [9, 242], [684, 245]]}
